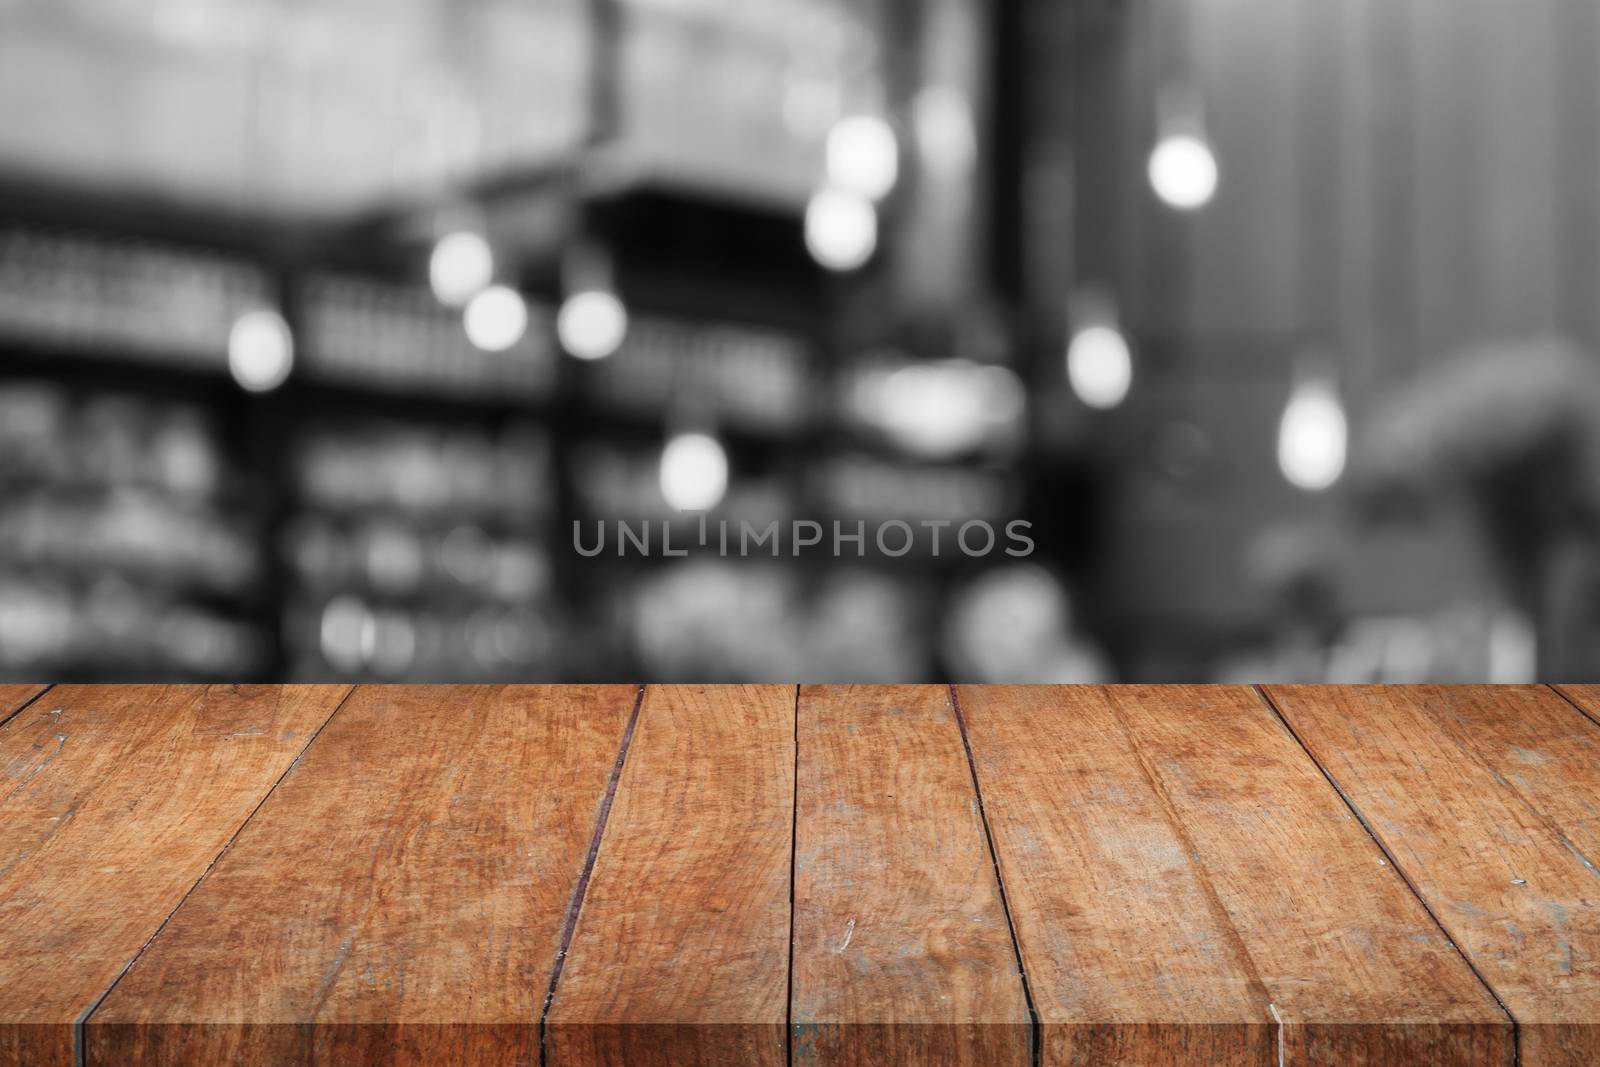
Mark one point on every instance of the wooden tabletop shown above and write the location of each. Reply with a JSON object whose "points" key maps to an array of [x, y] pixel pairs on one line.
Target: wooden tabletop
{"points": [[758, 875]]}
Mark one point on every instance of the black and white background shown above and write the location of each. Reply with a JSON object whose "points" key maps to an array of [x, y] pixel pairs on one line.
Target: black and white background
{"points": [[322, 322]]}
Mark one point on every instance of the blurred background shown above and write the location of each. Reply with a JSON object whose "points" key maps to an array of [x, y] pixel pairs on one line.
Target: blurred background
{"points": [[322, 323]]}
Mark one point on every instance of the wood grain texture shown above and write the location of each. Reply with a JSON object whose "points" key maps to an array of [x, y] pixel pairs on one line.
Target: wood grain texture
{"points": [[1585, 697], [399, 900], [681, 953], [1129, 960], [1488, 797], [1187, 888], [113, 801], [902, 953], [14, 696]]}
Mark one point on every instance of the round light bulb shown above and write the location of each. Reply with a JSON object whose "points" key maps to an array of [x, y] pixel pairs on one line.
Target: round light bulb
{"points": [[461, 267], [1183, 171], [863, 156], [260, 351], [496, 319], [1099, 366], [592, 324], [694, 472], [1313, 437], [841, 229]]}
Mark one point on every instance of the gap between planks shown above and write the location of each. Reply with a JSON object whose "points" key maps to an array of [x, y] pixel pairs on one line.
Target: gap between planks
{"points": [[573, 909], [7, 716], [1393, 863], [1204, 880], [79, 1023], [582, 888], [1035, 1033], [1561, 691], [794, 860]]}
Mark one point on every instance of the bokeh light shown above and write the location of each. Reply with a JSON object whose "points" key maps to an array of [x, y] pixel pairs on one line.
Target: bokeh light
{"points": [[1100, 366], [592, 324], [694, 472], [496, 319], [461, 267], [1313, 437], [841, 229], [863, 156], [260, 351], [1183, 171], [942, 409]]}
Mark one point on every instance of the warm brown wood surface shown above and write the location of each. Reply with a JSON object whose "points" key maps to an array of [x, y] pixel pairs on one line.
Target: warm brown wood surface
{"points": [[681, 953], [113, 801], [1129, 958], [13, 697], [433, 840], [279, 876], [901, 949], [1584, 697], [1489, 801], [1299, 914]]}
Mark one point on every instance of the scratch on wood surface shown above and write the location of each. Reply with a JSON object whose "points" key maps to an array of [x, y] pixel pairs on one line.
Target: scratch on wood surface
{"points": [[33, 772], [1273, 1010], [849, 932], [1587, 863], [803, 1041], [325, 986]]}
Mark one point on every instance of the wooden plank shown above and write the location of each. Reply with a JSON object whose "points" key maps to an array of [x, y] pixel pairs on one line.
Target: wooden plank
{"points": [[1488, 798], [400, 899], [1187, 888], [14, 697], [1128, 958], [681, 953], [113, 801], [1585, 697], [902, 953]]}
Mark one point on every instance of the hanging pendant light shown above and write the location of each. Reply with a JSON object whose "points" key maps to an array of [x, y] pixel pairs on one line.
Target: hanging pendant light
{"points": [[863, 156], [1313, 435], [1099, 360], [593, 321], [694, 472], [1182, 167]]}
